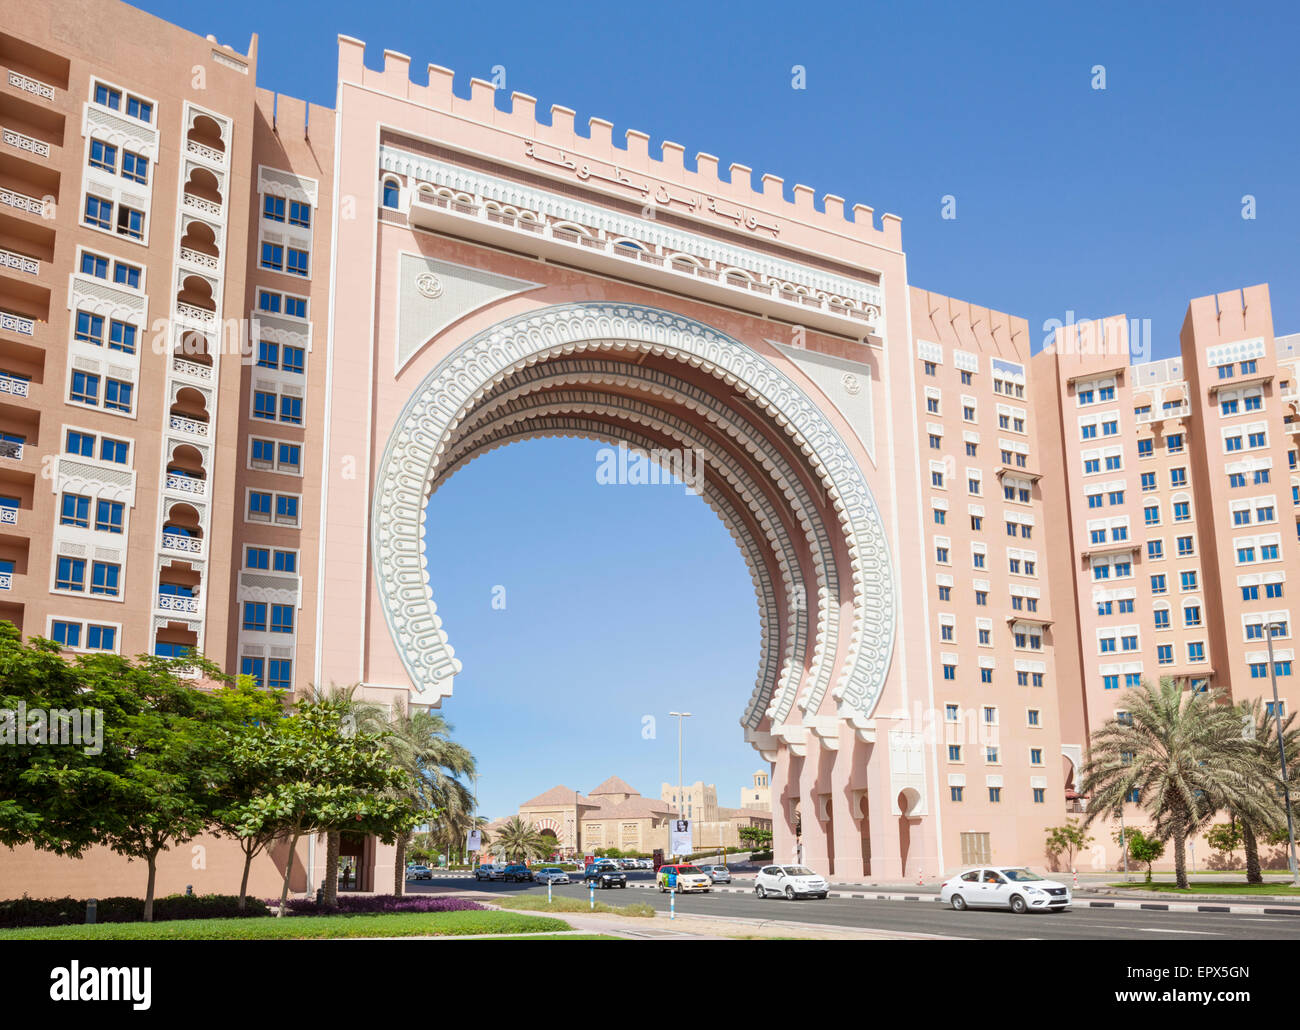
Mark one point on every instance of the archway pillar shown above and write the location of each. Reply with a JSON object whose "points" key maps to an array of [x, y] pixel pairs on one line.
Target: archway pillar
{"points": [[785, 793], [848, 785], [815, 802], [888, 830]]}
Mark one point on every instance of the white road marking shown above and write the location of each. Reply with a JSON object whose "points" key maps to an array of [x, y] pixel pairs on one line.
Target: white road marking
{"points": [[1161, 929]]}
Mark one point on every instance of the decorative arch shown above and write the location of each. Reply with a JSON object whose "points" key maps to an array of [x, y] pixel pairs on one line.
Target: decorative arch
{"points": [[421, 450]]}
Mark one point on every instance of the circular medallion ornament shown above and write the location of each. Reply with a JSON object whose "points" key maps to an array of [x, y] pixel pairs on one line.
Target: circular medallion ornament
{"points": [[851, 384], [429, 285]]}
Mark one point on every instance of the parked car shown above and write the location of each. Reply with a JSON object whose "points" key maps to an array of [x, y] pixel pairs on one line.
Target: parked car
{"points": [[717, 873], [683, 878], [1013, 887], [790, 881], [488, 871], [605, 875], [517, 873], [627, 863], [551, 876], [419, 872], [645, 863]]}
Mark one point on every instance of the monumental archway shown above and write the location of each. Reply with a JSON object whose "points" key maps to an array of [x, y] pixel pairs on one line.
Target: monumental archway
{"points": [[775, 471]]}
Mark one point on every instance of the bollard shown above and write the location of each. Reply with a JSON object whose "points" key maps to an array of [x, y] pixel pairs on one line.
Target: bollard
{"points": [[189, 890], [920, 877], [1076, 879], [672, 903], [548, 892], [92, 910], [593, 895], [320, 895]]}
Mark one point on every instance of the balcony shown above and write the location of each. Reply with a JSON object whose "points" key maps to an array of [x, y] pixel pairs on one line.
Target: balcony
{"points": [[1180, 411], [11, 449], [182, 603], [37, 72], [189, 426], [15, 323], [675, 272], [22, 141], [19, 262], [181, 483], [204, 141], [13, 386], [179, 543], [191, 369], [22, 201], [8, 515]]}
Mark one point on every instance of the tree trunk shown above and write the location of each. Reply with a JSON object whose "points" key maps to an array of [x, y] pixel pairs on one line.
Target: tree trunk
{"points": [[399, 866], [1180, 856], [243, 883], [288, 870], [152, 860], [1253, 875], [331, 885]]}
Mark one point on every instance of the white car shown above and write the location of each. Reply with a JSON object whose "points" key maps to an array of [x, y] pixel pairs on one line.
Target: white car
{"points": [[1013, 887], [552, 876], [790, 881]]}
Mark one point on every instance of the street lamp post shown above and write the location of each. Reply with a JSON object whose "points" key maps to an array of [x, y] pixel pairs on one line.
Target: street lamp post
{"points": [[1281, 753], [681, 718]]}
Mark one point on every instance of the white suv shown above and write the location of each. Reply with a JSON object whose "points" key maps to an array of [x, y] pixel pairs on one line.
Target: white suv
{"points": [[790, 881], [488, 871]]}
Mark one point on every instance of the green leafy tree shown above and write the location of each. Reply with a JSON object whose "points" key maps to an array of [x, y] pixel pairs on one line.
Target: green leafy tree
{"points": [[519, 841], [1224, 838], [1143, 849], [1183, 751], [759, 838], [157, 779], [319, 775], [1067, 840]]}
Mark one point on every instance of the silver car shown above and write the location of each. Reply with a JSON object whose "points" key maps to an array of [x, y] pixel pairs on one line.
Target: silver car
{"points": [[717, 873], [552, 876]]}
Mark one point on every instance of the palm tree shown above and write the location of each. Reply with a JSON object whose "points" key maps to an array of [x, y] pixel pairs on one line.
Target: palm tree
{"points": [[1259, 726], [419, 742], [1184, 753], [519, 841]]}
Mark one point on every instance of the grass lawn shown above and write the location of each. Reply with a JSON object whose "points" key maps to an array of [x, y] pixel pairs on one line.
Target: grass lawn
{"points": [[559, 904], [401, 924], [1240, 887]]}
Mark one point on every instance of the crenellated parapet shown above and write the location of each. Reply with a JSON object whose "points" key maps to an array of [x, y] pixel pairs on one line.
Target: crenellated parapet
{"points": [[630, 171]]}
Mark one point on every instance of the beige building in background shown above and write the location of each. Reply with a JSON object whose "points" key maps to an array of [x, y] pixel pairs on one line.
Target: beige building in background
{"points": [[759, 794], [616, 815]]}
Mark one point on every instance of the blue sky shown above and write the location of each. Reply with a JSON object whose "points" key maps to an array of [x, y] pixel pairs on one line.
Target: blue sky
{"points": [[1068, 199]]}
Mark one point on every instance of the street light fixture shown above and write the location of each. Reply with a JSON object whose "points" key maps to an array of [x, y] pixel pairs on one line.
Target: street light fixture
{"points": [[681, 717], [1281, 751]]}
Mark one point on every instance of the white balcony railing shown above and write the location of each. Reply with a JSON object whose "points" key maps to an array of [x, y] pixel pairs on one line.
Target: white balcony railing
{"points": [[1181, 411], [6, 580], [11, 449], [12, 385], [180, 542], [21, 201], [195, 313], [200, 204], [207, 153], [186, 484], [11, 323], [193, 427], [178, 603], [8, 516], [19, 262], [191, 369], [35, 87], [197, 257], [22, 141]]}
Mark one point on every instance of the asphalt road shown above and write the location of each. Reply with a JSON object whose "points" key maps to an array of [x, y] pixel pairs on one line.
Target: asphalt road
{"points": [[927, 916]]}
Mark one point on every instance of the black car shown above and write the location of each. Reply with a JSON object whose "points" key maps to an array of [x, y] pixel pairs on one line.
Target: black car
{"points": [[517, 874], [605, 876]]}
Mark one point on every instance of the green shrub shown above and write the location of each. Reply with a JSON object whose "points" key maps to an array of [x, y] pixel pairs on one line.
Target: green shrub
{"points": [[27, 911]]}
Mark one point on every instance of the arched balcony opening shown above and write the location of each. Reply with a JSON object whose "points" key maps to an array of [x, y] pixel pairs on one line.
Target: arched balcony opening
{"points": [[204, 185], [196, 292], [190, 405], [175, 640], [179, 585], [200, 239], [181, 530], [185, 471], [206, 133], [194, 346]]}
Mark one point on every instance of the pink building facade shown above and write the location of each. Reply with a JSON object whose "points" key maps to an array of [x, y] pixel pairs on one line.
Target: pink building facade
{"points": [[358, 301]]}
